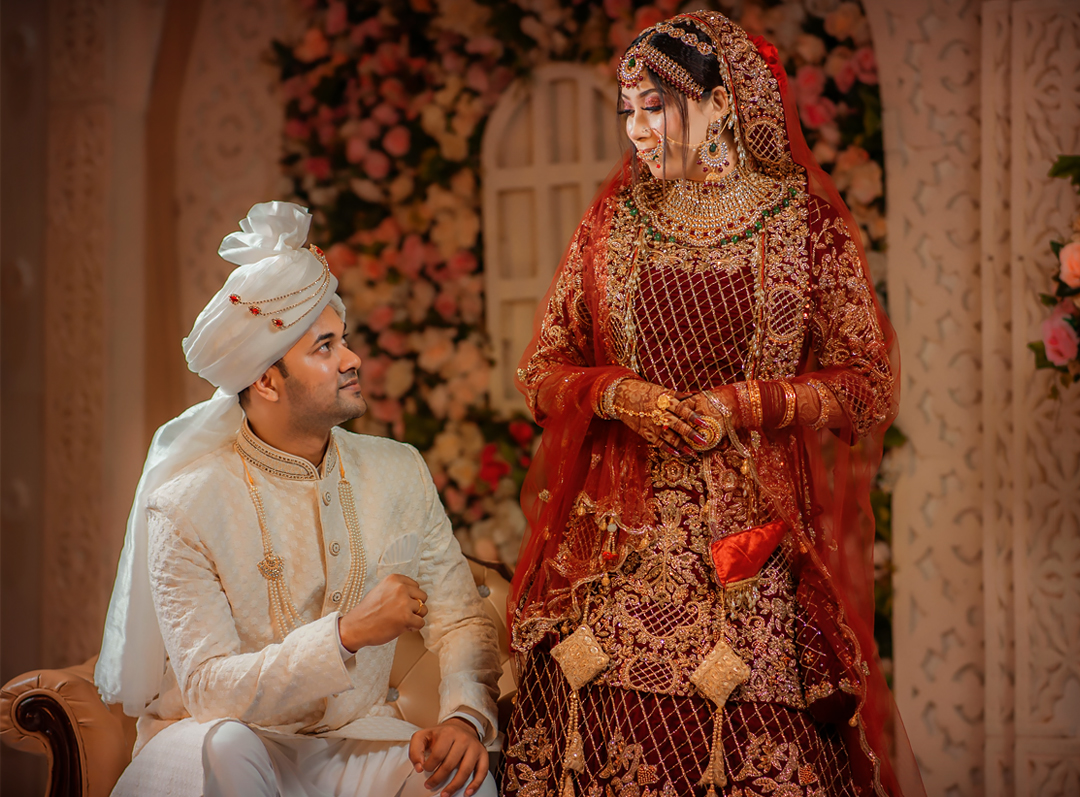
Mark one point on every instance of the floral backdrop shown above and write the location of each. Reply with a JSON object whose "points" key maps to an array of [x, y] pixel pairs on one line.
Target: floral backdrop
{"points": [[386, 104]]}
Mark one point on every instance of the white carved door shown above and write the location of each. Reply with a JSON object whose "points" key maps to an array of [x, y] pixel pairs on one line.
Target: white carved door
{"points": [[548, 145]]}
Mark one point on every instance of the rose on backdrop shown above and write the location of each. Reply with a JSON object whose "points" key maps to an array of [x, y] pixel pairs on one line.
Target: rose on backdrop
{"points": [[1059, 335]]}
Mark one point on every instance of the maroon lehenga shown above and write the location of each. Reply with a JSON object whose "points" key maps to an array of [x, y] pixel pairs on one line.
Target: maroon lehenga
{"points": [[621, 531]]}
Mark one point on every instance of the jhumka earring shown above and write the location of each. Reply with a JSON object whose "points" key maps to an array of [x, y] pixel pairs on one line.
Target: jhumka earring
{"points": [[713, 152]]}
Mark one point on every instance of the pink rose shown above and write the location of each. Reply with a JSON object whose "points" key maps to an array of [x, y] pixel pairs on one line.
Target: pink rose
{"points": [[318, 167], [397, 141], [1059, 336], [462, 263], [393, 342], [340, 257], [477, 79], [297, 128], [818, 113], [337, 18], [851, 157], [809, 83], [373, 375], [841, 23], [617, 8], [865, 66], [356, 149], [483, 45], [411, 259], [385, 115], [446, 306], [1069, 256], [387, 57], [380, 318], [368, 129], [455, 500], [388, 231], [386, 410], [619, 37], [810, 48], [393, 91], [646, 17], [372, 268], [312, 47], [376, 165], [327, 133]]}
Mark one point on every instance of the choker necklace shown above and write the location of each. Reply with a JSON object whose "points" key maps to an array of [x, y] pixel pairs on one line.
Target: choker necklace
{"points": [[709, 213], [272, 567]]}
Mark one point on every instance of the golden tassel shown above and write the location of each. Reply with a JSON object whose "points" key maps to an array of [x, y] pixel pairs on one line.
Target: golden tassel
{"points": [[574, 758], [567, 789], [714, 774]]}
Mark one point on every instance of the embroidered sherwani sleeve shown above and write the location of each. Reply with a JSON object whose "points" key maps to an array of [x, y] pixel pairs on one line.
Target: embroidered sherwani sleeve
{"points": [[456, 628], [846, 337], [280, 684]]}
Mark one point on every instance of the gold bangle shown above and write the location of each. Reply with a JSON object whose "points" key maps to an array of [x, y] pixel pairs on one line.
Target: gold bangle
{"points": [[607, 407], [823, 400], [790, 398], [753, 390]]}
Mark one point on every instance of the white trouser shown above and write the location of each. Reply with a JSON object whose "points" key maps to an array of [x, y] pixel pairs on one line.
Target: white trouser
{"points": [[237, 762]]}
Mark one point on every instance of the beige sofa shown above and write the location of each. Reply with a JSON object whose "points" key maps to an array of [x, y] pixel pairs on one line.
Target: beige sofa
{"points": [[59, 714]]}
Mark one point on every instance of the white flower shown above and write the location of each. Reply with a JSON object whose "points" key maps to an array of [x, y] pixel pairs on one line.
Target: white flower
{"points": [[399, 378], [465, 17], [365, 189], [402, 187]]}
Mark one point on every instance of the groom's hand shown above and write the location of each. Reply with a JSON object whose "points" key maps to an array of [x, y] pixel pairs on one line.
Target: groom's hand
{"points": [[446, 747], [395, 605]]}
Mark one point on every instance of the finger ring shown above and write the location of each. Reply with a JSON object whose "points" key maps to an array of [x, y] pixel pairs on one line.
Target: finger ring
{"points": [[713, 432], [664, 401], [421, 606]]}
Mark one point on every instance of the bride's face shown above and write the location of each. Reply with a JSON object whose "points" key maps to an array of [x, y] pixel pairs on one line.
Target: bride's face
{"points": [[649, 121]]}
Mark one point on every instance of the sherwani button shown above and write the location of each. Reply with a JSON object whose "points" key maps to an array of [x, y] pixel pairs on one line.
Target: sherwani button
{"points": [[392, 695], [335, 548], [336, 597], [326, 498], [483, 589]]}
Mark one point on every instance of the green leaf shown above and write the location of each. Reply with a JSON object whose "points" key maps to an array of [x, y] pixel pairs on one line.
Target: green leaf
{"points": [[1048, 300], [1056, 247], [1067, 166], [1041, 360], [894, 438]]}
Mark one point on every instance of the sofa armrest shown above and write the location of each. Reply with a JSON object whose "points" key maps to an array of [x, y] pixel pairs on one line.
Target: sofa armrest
{"points": [[59, 713]]}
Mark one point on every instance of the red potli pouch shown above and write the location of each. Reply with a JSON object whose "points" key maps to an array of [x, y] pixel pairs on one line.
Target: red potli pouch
{"points": [[738, 559]]}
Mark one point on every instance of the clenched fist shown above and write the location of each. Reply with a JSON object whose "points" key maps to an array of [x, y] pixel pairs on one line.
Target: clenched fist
{"points": [[394, 606]]}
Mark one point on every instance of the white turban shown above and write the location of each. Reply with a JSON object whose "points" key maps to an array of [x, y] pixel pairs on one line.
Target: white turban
{"points": [[264, 308]]}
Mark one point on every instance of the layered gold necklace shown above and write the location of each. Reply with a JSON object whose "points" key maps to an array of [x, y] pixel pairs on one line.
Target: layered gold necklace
{"points": [[283, 611], [708, 214]]}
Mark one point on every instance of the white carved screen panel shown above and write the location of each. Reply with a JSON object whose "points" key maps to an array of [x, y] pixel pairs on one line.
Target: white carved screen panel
{"points": [[548, 145], [1045, 104]]}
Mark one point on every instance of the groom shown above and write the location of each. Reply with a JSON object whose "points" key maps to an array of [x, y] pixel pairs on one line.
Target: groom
{"points": [[283, 559]]}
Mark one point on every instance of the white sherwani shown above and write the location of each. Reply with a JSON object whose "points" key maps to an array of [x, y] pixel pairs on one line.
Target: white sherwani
{"points": [[225, 659]]}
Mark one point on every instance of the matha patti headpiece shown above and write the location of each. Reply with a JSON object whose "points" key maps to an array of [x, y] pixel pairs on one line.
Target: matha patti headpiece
{"points": [[645, 54], [309, 294]]}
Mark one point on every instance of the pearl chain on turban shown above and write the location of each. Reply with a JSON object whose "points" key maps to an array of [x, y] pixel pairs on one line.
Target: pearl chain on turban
{"points": [[264, 308]]}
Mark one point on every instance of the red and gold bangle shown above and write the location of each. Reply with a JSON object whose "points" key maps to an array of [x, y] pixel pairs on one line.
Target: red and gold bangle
{"points": [[753, 389], [790, 399]]}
